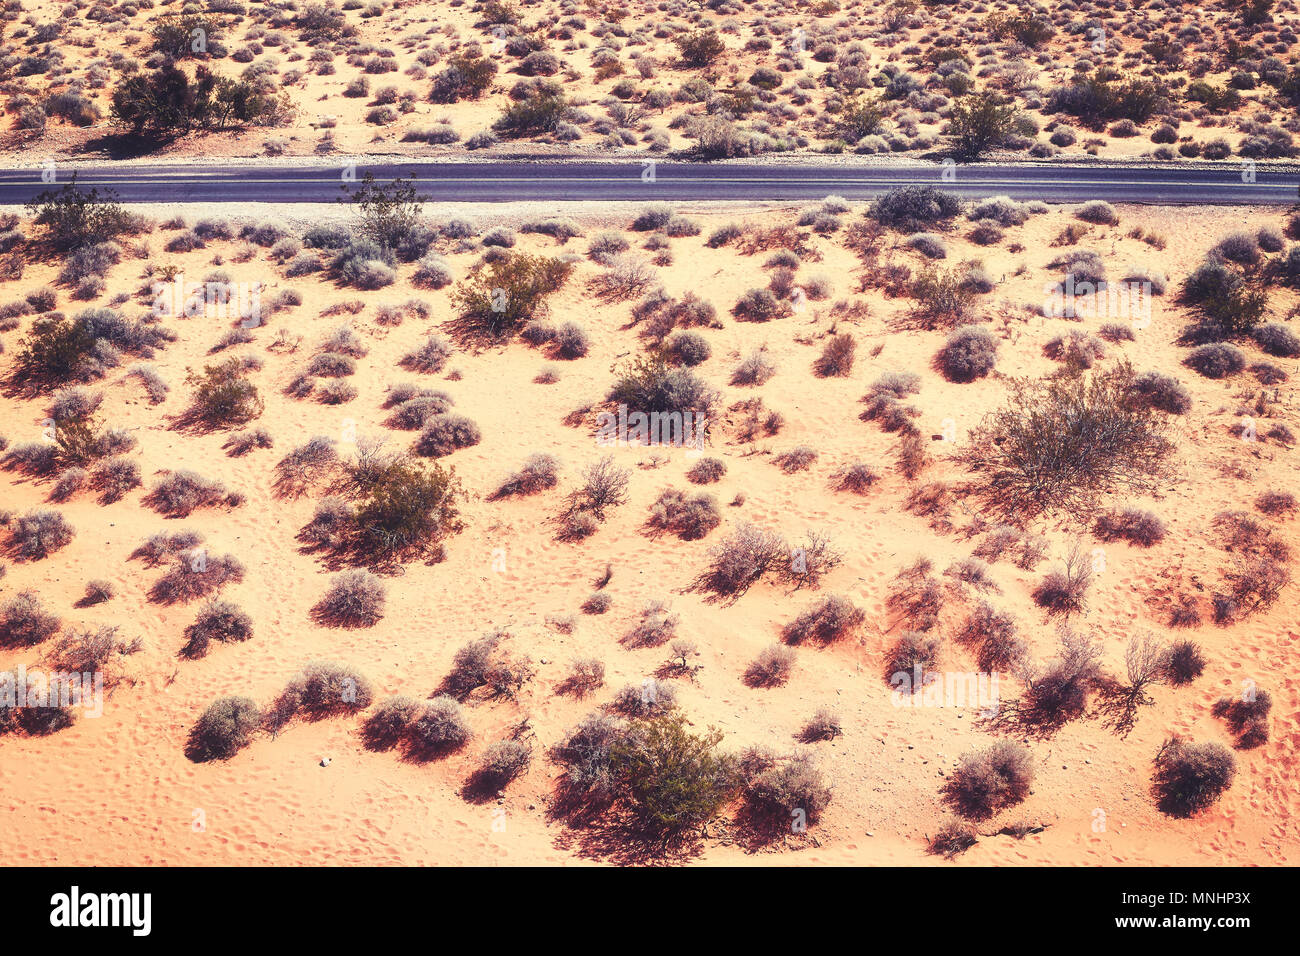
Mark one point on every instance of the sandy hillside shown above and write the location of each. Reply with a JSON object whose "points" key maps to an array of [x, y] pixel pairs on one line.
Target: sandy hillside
{"points": [[1157, 81], [120, 789]]}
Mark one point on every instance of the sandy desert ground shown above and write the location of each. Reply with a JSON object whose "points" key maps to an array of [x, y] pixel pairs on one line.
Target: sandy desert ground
{"points": [[120, 789]]}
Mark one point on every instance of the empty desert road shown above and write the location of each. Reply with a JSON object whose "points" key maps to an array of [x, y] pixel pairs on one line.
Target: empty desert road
{"points": [[1229, 182]]}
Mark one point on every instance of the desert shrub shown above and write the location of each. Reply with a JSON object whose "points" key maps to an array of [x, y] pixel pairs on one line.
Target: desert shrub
{"points": [[1247, 717], [673, 781], [354, 599], [74, 403], [1276, 339], [225, 727], [1216, 360], [39, 533], [744, 557], [837, 355], [496, 300], [605, 485], [1268, 374], [416, 412], [1060, 444], [688, 516], [755, 369], [796, 459], [1130, 524], [1184, 662], [502, 762], [364, 264], [321, 689], [331, 365], [560, 229], [1211, 279], [943, 299], [1077, 350], [1062, 690], [792, 789], [759, 305], [687, 348], [953, 839], [992, 634], [217, 621], [539, 472], [571, 341], [432, 272], [968, 354], [1065, 591], [1003, 210], [824, 725], [912, 208], [71, 480], [652, 217], [538, 333], [164, 545], [706, 471], [771, 668], [724, 235], [586, 674], [1281, 434], [971, 572], [585, 755], [538, 109], [241, 443], [699, 48], [912, 458], [405, 507], [825, 621], [604, 247], [222, 396], [24, 621], [1239, 247], [597, 603], [1232, 307], [1255, 581], [154, 384], [657, 626], [465, 77], [1276, 503], [439, 728], [650, 385], [58, 348], [857, 477], [306, 464], [33, 458], [1163, 392], [98, 591], [1190, 777], [1098, 213], [985, 233], [446, 433], [429, 357], [927, 244], [180, 492], [391, 721], [502, 236], [912, 654], [990, 780], [195, 574], [332, 523], [71, 217], [1145, 279]]}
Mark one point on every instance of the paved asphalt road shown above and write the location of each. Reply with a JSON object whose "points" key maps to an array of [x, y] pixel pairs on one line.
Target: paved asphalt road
{"points": [[568, 181]]}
